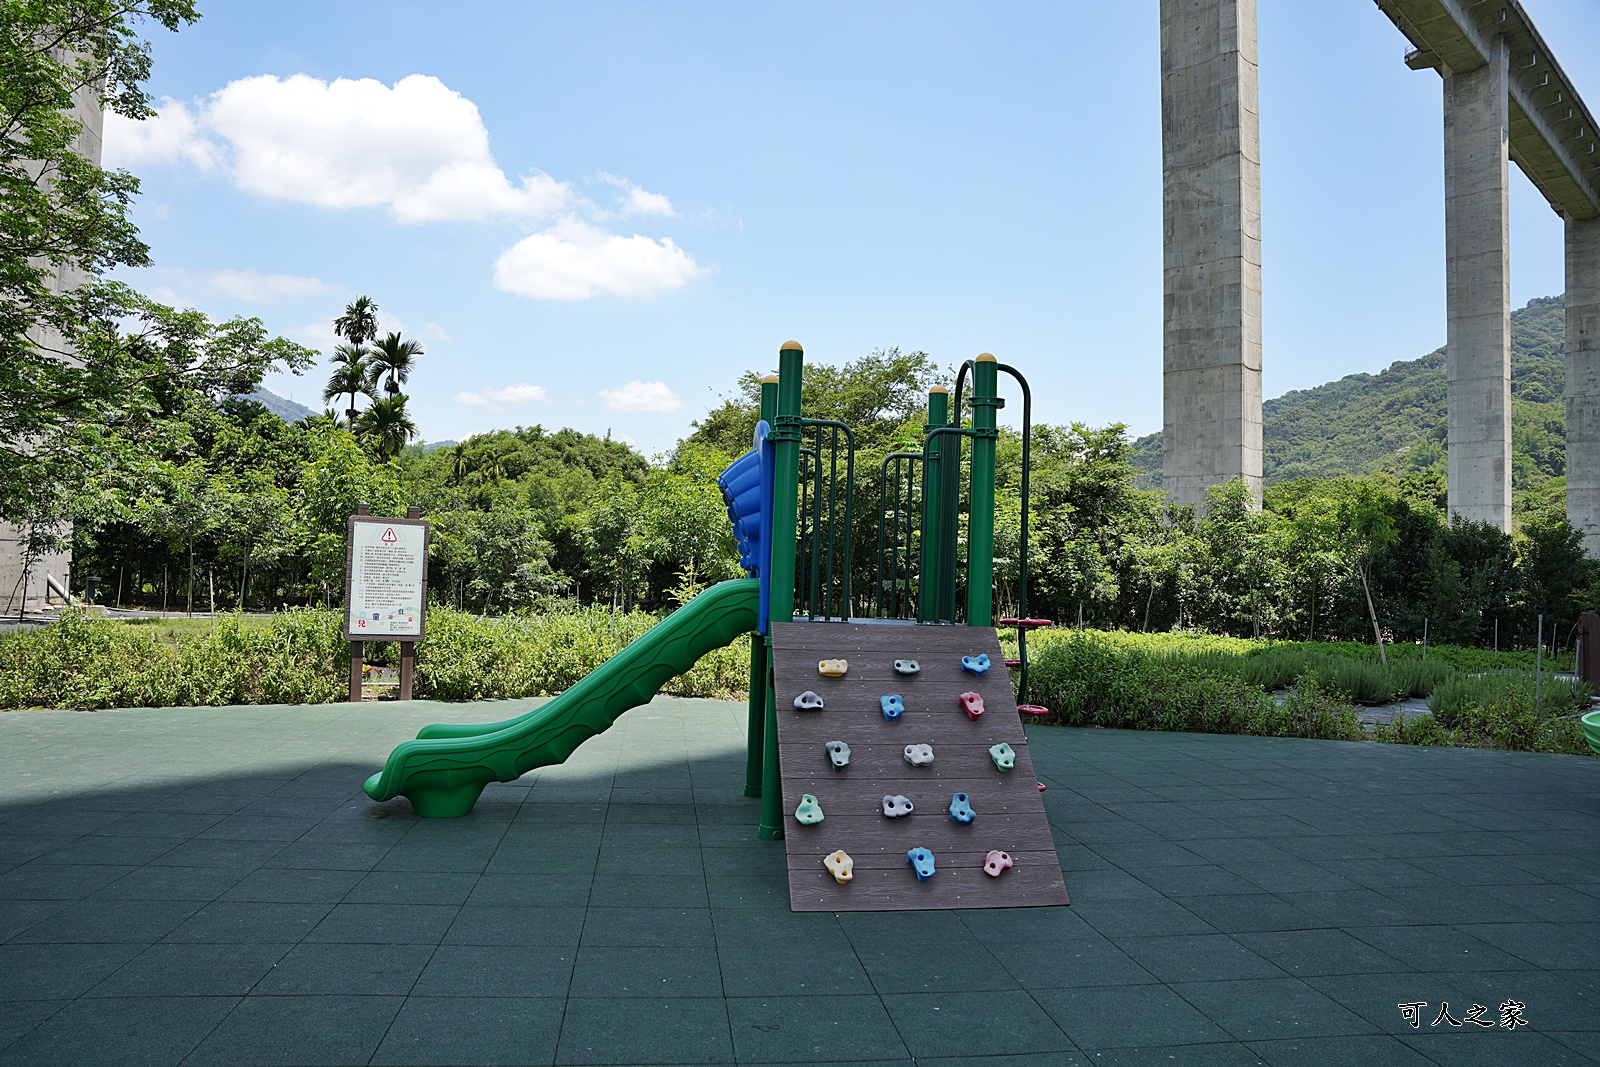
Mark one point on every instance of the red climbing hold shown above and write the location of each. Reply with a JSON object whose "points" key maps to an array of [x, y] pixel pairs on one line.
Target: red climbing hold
{"points": [[971, 703]]}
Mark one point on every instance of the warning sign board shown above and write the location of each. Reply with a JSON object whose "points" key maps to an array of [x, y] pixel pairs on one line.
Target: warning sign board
{"points": [[386, 579]]}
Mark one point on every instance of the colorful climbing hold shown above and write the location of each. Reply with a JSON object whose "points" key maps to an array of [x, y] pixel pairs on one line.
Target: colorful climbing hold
{"points": [[919, 755], [833, 668], [809, 813], [840, 865], [995, 862], [808, 701], [906, 666], [978, 664], [1004, 758], [961, 809], [896, 806], [921, 861], [971, 703], [892, 706], [838, 754]]}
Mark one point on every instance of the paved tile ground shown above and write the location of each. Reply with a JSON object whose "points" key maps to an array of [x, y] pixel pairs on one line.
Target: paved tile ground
{"points": [[210, 886]]}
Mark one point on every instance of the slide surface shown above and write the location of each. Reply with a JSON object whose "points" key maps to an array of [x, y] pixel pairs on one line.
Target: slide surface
{"points": [[445, 769]]}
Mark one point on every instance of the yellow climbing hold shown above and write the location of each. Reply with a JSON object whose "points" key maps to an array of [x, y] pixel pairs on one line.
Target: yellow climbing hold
{"points": [[833, 668], [840, 865]]}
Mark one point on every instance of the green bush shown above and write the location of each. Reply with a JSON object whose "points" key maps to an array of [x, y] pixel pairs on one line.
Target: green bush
{"points": [[300, 657]]}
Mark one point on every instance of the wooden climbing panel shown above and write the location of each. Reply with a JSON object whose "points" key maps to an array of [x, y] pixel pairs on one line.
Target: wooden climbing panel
{"points": [[1010, 811]]}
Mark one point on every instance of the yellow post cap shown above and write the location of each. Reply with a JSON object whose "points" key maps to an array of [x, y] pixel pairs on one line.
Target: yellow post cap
{"points": [[771, 379], [790, 346], [939, 389], [984, 357]]}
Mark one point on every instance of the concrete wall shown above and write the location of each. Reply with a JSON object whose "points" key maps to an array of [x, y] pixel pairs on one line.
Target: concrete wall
{"points": [[1583, 380], [1211, 153], [1478, 290], [86, 109]]}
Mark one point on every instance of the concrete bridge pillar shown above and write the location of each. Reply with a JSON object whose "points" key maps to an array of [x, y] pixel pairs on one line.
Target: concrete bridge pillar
{"points": [[1211, 155], [1478, 290], [1583, 380]]}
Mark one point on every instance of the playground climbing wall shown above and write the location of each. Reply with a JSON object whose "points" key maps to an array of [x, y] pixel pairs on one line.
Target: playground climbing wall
{"points": [[1007, 811]]}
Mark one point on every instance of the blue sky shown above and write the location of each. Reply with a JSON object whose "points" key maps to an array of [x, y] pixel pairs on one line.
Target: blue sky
{"points": [[599, 215]]}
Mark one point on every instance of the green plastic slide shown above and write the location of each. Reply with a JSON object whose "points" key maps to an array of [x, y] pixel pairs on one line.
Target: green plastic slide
{"points": [[445, 769]]}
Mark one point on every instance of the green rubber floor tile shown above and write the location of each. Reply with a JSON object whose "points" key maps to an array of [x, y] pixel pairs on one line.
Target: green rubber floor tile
{"points": [[544, 859], [17, 915], [1449, 904], [192, 971], [54, 881], [104, 921], [1215, 1054], [1496, 1048], [686, 1031], [394, 887], [20, 1016], [1382, 873], [1548, 902], [1585, 1041], [1098, 1018], [1109, 884], [475, 925], [1369, 1050], [748, 888], [53, 972], [1376, 997], [329, 856], [1437, 948], [1147, 918], [1206, 879], [963, 1024], [531, 890], [449, 1031], [119, 1033], [284, 885], [1550, 945], [226, 922], [1292, 876], [775, 967], [110, 851], [1087, 960], [1140, 855], [819, 1029], [1197, 958], [432, 856], [645, 890], [333, 1031], [497, 971], [1255, 912], [1024, 924], [1304, 953], [376, 970], [385, 924], [1036, 1059], [679, 971], [897, 965], [1262, 1009], [242, 827], [660, 927], [206, 853]]}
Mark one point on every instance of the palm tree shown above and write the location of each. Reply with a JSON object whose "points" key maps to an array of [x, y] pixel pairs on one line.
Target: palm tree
{"points": [[386, 427], [359, 323], [353, 378], [392, 356], [460, 463]]}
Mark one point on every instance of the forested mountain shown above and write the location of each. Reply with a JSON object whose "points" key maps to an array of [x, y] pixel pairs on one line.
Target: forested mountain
{"points": [[1394, 421], [281, 406]]}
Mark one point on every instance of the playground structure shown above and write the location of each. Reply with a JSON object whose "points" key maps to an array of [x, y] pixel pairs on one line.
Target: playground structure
{"points": [[859, 692]]}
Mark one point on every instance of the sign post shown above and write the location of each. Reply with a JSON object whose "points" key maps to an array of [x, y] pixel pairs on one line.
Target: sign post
{"points": [[386, 588]]}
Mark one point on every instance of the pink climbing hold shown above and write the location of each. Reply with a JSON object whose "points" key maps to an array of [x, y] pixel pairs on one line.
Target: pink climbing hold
{"points": [[995, 862], [971, 703]]}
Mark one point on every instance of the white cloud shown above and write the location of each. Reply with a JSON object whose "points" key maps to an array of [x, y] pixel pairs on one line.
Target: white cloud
{"points": [[497, 399], [257, 288], [637, 201], [171, 135], [641, 396], [574, 260]]}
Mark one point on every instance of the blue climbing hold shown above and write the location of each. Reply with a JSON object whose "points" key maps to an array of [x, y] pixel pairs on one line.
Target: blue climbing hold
{"points": [[892, 706], [978, 664], [921, 861], [961, 809]]}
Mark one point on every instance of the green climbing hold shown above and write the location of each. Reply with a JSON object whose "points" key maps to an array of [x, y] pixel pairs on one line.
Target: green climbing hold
{"points": [[1003, 757], [809, 813]]}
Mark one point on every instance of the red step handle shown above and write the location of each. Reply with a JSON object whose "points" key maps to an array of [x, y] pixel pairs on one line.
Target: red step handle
{"points": [[1028, 624]]}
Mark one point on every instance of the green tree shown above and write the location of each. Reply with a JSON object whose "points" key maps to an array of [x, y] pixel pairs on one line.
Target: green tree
{"points": [[392, 359], [385, 427]]}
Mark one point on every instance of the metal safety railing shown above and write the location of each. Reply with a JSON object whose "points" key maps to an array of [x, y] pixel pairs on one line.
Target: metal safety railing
{"points": [[825, 520], [898, 570]]}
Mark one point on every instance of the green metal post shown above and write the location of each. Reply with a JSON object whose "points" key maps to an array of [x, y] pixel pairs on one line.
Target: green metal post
{"points": [[755, 744], [945, 563], [932, 533], [785, 436], [980, 519]]}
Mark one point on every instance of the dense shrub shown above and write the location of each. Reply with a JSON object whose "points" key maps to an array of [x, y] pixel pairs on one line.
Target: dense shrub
{"points": [[300, 657]]}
